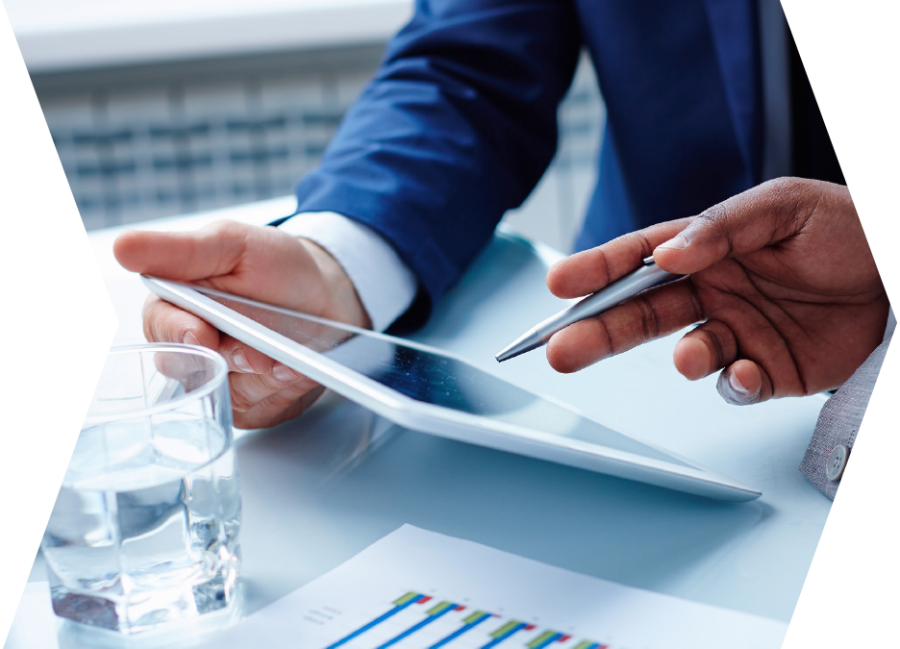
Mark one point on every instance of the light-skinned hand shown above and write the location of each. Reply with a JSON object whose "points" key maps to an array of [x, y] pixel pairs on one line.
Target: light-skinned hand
{"points": [[781, 278], [262, 263]]}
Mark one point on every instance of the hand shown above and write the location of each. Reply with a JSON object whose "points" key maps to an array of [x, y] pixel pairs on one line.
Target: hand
{"points": [[781, 277], [262, 263]]}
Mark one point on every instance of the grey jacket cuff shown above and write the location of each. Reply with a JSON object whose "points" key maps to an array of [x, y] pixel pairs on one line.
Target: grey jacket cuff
{"points": [[838, 424]]}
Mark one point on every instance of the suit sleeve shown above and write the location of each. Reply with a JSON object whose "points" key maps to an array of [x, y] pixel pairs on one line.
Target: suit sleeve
{"points": [[457, 127], [839, 422]]}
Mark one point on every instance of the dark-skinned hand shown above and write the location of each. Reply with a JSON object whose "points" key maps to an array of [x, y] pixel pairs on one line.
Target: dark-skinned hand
{"points": [[781, 278]]}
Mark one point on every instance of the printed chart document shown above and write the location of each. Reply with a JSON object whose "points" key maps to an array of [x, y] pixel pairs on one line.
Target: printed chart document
{"points": [[415, 589]]}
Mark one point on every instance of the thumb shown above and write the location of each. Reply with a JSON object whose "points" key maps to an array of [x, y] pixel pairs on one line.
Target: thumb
{"points": [[759, 217], [208, 252]]}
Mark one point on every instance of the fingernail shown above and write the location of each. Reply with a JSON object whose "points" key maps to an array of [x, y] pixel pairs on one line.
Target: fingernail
{"points": [[190, 339], [736, 385], [678, 242], [284, 374], [240, 361]]}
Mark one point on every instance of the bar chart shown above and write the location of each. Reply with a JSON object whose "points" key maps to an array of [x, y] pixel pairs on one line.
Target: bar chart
{"points": [[416, 589], [424, 621]]}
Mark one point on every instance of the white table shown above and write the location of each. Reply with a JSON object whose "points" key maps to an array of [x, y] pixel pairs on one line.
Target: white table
{"points": [[320, 489]]}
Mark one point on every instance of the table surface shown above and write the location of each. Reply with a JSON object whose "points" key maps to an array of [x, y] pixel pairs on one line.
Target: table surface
{"points": [[321, 488]]}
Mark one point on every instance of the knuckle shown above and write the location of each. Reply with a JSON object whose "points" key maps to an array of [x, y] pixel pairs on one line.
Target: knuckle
{"points": [[241, 399], [276, 408], [698, 313], [713, 214], [718, 350], [226, 227], [649, 318], [154, 320], [238, 404], [781, 185], [281, 401], [644, 241]]}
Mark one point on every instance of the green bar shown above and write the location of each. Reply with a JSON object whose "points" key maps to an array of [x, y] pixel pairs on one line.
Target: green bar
{"points": [[434, 610], [546, 635], [506, 628], [584, 644], [477, 615], [405, 598]]}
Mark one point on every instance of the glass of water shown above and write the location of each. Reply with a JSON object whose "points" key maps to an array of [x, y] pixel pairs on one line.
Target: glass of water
{"points": [[144, 532]]}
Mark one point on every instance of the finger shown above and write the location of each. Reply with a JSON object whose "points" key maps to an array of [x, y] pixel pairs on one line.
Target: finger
{"points": [[705, 350], [208, 252], [744, 383], [276, 409], [244, 358], [590, 270], [762, 216], [249, 390], [164, 322], [651, 314], [255, 376]]}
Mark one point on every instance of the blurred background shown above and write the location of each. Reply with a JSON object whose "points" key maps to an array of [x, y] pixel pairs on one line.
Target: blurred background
{"points": [[174, 106]]}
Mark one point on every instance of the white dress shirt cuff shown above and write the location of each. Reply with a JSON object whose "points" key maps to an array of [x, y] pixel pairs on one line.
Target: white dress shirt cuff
{"points": [[385, 285]]}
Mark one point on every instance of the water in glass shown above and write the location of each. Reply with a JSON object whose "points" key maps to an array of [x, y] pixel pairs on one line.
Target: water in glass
{"points": [[144, 531]]}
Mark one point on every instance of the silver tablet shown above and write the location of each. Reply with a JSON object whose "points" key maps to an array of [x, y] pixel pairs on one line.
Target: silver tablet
{"points": [[431, 391]]}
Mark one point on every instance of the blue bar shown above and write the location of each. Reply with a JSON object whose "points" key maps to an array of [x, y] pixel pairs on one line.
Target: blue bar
{"points": [[373, 623], [453, 636], [428, 620], [512, 631]]}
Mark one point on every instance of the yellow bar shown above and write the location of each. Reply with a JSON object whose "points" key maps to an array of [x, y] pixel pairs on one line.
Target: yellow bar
{"points": [[403, 600], [506, 628], [434, 610], [546, 635]]}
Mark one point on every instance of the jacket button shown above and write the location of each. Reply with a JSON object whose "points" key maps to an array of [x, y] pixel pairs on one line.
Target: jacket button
{"points": [[834, 467]]}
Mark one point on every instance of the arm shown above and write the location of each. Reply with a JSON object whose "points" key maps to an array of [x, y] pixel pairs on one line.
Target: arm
{"points": [[457, 127]]}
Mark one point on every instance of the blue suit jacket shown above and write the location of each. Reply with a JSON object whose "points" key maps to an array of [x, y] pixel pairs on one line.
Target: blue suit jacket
{"points": [[459, 123]]}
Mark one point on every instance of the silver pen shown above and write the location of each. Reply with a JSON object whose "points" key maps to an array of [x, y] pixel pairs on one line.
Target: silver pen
{"points": [[628, 286]]}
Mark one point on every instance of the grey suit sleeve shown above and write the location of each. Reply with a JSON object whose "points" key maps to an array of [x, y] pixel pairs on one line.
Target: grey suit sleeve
{"points": [[839, 422]]}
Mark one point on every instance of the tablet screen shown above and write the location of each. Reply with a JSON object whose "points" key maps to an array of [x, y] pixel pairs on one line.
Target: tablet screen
{"points": [[434, 378]]}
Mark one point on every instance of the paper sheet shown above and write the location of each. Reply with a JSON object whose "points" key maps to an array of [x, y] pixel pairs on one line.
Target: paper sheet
{"points": [[418, 589]]}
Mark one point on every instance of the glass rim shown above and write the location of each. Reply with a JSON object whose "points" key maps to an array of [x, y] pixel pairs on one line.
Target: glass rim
{"points": [[213, 384]]}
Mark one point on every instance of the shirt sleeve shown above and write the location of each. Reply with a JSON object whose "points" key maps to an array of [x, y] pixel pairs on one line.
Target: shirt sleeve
{"points": [[385, 285]]}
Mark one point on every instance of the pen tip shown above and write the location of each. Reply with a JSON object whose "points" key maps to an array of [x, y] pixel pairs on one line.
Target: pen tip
{"points": [[508, 353]]}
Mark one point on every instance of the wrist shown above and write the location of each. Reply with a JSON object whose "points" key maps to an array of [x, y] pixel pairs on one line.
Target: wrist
{"points": [[344, 304]]}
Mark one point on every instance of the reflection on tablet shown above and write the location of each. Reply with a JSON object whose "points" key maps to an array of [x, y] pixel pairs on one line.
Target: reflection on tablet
{"points": [[436, 379]]}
